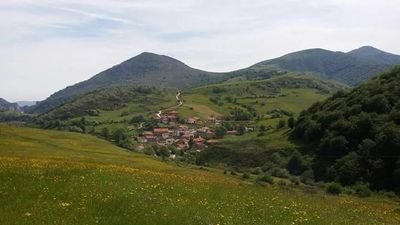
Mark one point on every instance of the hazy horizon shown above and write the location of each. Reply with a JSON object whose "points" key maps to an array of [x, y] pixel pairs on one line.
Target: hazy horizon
{"points": [[49, 45]]}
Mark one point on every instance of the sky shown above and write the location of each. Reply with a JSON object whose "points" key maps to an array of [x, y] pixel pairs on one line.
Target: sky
{"points": [[47, 45]]}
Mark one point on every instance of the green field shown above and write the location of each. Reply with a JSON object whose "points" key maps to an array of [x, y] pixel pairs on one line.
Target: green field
{"points": [[291, 93], [54, 177]]}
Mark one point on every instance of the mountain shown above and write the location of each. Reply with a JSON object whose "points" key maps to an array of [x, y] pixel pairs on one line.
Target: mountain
{"points": [[7, 106], [352, 68], [357, 134], [372, 54], [26, 103], [146, 69]]}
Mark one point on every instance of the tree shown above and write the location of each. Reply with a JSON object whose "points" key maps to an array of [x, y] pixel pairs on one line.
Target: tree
{"points": [[82, 124], [296, 164], [164, 153], [334, 188], [291, 122], [105, 133], [281, 124], [220, 131], [347, 169], [241, 129]]}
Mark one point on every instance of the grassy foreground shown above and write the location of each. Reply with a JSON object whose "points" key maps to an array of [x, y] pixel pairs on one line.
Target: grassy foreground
{"points": [[52, 177]]}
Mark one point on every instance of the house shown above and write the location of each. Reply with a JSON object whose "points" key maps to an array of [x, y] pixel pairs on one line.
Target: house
{"points": [[199, 140], [165, 135], [212, 142], [147, 133], [210, 134], [170, 141], [231, 132], [150, 138], [193, 120], [183, 127], [203, 129], [172, 118], [173, 113], [164, 119], [160, 131], [211, 118], [187, 135], [142, 139]]}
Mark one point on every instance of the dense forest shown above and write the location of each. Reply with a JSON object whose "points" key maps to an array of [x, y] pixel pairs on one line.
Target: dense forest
{"points": [[357, 134]]}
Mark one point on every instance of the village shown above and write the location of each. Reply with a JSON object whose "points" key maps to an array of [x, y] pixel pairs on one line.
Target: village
{"points": [[192, 132]]}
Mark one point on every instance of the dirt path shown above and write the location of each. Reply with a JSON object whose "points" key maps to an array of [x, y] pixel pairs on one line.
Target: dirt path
{"points": [[180, 103]]}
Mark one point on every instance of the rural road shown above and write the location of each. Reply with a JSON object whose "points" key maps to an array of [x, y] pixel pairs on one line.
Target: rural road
{"points": [[180, 103]]}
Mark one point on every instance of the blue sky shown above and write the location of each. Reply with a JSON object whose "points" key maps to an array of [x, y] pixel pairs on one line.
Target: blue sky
{"points": [[47, 45]]}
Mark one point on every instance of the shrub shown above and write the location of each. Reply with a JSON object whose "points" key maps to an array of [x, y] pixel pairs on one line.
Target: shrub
{"points": [[266, 178], [282, 183], [246, 176], [333, 188], [279, 172], [362, 190], [294, 180]]}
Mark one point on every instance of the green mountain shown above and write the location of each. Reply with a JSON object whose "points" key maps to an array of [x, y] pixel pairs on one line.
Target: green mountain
{"points": [[352, 68], [146, 69], [357, 134], [375, 55], [111, 99]]}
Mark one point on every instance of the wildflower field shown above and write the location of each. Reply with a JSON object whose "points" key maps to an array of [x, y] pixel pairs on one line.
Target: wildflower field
{"points": [[52, 177]]}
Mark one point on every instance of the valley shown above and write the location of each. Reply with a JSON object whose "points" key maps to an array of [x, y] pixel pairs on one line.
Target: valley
{"points": [[276, 142]]}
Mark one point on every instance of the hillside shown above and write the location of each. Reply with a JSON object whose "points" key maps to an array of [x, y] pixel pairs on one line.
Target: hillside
{"points": [[357, 134], [290, 93], [352, 68], [65, 178], [110, 99], [7, 106], [146, 69]]}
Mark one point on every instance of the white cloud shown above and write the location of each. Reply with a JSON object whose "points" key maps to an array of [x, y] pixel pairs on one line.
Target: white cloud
{"points": [[47, 45]]}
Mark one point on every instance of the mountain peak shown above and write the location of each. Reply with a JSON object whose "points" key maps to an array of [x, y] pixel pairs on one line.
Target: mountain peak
{"points": [[375, 55]]}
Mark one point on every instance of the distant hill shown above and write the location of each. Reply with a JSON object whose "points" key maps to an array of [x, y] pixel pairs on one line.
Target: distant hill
{"points": [[352, 68], [357, 134], [146, 69], [7, 106], [26, 103], [375, 55]]}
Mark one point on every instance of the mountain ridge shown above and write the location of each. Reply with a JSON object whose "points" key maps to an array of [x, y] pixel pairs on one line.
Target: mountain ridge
{"points": [[150, 69]]}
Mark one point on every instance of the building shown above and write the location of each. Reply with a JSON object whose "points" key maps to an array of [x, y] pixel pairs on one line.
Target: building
{"points": [[160, 131]]}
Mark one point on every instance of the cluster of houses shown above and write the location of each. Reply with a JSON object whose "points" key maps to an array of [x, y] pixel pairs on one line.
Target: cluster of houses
{"points": [[192, 133]]}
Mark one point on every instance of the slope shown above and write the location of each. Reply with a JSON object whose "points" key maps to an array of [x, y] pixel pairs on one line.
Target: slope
{"points": [[51, 177], [357, 134]]}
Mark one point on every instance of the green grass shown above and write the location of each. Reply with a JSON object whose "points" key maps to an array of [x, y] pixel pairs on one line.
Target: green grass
{"points": [[53, 177], [291, 93]]}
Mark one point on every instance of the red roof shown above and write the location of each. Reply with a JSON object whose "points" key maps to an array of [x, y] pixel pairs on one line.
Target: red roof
{"points": [[161, 130]]}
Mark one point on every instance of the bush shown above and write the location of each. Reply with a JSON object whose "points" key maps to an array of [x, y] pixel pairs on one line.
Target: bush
{"points": [[362, 190], [279, 172], [246, 176], [266, 178], [294, 180], [333, 188], [282, 183]]}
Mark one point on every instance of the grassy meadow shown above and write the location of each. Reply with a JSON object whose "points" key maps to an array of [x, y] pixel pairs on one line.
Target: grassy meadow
{"points": [[54, 177]]}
